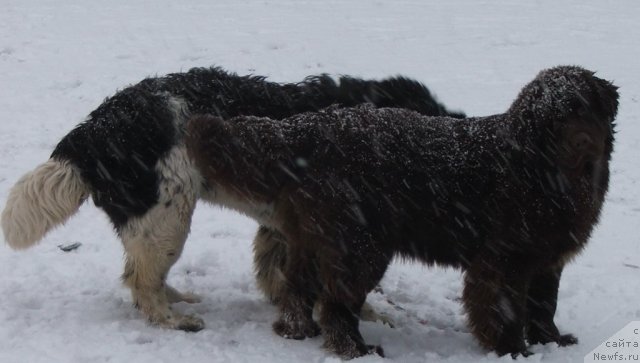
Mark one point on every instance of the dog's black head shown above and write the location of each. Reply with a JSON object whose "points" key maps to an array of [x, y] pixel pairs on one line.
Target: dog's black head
{"points": [[569, 111]]}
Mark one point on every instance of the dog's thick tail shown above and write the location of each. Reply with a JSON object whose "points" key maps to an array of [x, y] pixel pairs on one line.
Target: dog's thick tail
{"points": [[42, 199]]}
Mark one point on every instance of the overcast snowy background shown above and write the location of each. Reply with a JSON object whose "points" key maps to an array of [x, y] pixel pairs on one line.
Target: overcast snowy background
{"points": [[60, 59]]}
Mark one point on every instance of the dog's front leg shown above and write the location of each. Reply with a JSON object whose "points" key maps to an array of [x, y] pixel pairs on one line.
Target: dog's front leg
{"points": [[541, 308], [494, 298]]}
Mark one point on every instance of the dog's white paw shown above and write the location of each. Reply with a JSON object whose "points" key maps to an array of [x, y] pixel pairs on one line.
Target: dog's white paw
{"points": [[368, 313], [191, 298], [175, 296]]}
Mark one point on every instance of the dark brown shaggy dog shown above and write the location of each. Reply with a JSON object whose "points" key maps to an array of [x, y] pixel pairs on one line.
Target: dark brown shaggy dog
{"points": [[508, 198]]}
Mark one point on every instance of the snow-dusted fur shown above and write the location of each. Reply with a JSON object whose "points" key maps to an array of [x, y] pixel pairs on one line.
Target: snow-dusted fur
{"points": [[129, 156], [508, 198], [41, 200]]}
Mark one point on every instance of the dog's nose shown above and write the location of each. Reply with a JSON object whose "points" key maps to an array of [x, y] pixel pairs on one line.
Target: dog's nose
{"points": [[582, 141]]}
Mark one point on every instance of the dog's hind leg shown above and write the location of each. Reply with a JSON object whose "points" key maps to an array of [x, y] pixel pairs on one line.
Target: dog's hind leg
{"points": [[154, 242], [297, 295], [339, 320], [348, 270], [269, 262]]}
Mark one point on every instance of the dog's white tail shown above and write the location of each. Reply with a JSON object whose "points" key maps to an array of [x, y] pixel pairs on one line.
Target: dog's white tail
{"points": [[41, 200]]}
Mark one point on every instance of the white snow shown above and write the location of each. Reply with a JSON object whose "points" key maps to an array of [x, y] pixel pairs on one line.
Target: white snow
{"points": [[59, 59]]}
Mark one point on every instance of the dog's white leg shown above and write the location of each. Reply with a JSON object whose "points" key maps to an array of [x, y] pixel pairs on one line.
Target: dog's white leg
{"points": [[152, 246], [154, 242]]}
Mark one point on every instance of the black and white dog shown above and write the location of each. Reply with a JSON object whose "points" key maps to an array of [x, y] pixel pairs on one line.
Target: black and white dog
{"points": [[129, 156]]}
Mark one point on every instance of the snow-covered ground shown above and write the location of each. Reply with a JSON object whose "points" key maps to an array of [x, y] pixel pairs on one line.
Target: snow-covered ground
{"points": [[59, 59]]}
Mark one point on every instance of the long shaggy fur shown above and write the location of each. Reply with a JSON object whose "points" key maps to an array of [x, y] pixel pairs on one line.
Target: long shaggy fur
{"points": [[40, 200], [129, 156], [269, 259], [508, 198]]}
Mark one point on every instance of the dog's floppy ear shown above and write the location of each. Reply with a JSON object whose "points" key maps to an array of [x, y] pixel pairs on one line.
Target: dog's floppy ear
{"points": [[559, 94], [596, 107], [605, 101], [580, 93], [585, 133]]}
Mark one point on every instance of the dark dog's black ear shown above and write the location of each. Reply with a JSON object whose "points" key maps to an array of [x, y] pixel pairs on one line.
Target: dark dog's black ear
{"points": [[585, 133], [605, 102], [561, 93]]}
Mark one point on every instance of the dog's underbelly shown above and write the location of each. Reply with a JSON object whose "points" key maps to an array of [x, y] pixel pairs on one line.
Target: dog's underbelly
{"points": [[261, 212]]}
